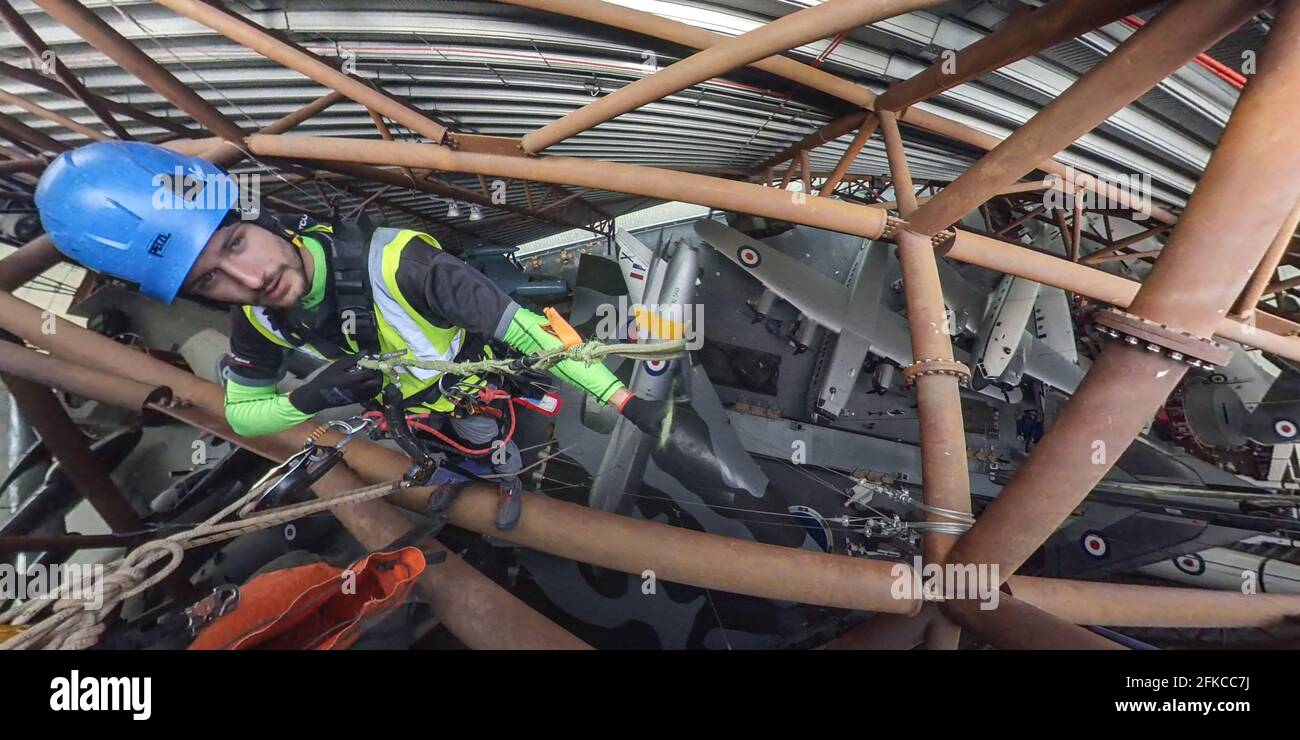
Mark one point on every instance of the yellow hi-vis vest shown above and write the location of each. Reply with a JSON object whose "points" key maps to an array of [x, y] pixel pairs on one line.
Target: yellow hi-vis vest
{"points": [[400, 327]]}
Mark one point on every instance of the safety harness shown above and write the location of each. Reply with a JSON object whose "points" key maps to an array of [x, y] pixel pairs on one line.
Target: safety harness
{"points": [[351, 304]]}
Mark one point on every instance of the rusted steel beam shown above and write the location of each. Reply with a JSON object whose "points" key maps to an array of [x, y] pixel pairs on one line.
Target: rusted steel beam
{"points": [[1067, 237], [860, 140], [1033, 212], [25, 165], [305, 113], [100, 35], [10, 544], [18, 361], [1180, 32], [827, 213], [1149, 254], [259, 40], [633, 546], [1020, 187], [41, 53], [795, 162], [1022, 36], [780, 35], [229, 153], [1122, 244], [49, 115], [31, 259], [633, 179], [754, 199], [1249, 186], [387, 135], [828, 133], [1280, 285], [426, 183], [694, 37], [1124, 605], [1017, 625], [18, 132], [1263, 275], [888, 632], [1270, 333], [69, 446], [37, 79], [684, 34], [1076, 232], [945, 478], [680, 555]]}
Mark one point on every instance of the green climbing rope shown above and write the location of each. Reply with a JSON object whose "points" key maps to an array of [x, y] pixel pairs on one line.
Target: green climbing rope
{"points": [[588, 353]]}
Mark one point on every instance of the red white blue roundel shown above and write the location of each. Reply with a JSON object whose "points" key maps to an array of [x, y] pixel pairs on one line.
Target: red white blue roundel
{"points": [[1192, 564], [1094, 545], [656, 367], [1285, 428], [749, 257]]}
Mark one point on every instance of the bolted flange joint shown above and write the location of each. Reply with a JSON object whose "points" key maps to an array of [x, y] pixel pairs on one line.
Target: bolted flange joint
{"points": [[1175, 343], [935, 367], [894, 224]]}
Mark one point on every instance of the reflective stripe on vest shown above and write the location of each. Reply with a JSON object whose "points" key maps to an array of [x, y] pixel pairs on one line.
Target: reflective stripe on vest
{"points": [[400, 327]]}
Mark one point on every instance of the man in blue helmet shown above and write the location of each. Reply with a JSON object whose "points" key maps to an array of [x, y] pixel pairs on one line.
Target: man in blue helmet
{"points": [[118, 208]]}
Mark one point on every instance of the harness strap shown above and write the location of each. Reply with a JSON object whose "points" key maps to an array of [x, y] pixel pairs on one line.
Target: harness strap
{"points": [[350, 270]]}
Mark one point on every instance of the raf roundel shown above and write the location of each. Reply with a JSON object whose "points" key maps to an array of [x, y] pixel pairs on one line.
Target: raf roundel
{"points": [[1285, 428], [749, 257], [656, 367], [1192, 564], [1094, 545]]}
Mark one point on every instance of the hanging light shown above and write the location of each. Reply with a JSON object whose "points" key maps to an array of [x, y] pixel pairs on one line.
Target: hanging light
{"points": [[452, 210], [475, 213]]}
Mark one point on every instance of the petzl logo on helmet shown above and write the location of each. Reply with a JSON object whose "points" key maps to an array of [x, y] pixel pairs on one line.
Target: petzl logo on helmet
{"points": [[159, 243]]}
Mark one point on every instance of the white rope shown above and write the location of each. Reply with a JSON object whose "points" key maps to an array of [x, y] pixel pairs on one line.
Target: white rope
{"points": [[73, 625]]}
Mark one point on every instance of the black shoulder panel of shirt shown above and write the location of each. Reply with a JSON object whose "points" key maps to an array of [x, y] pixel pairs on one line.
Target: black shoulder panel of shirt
{"points": [[252, 356], [447, 292]]}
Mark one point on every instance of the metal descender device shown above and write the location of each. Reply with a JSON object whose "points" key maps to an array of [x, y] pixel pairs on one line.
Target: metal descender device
{"points": [[307, 466]]}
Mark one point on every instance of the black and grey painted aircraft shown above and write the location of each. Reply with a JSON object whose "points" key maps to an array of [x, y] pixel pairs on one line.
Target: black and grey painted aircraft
{"points": [[757, 457]]}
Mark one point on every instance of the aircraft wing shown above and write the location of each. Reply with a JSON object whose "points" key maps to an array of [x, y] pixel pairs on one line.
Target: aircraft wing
{"points": [[1044, 363], [1053, 324], [817, 296]]}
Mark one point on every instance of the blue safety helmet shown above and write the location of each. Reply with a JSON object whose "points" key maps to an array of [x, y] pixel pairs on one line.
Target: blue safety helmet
{"points": [[135, 211]]}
